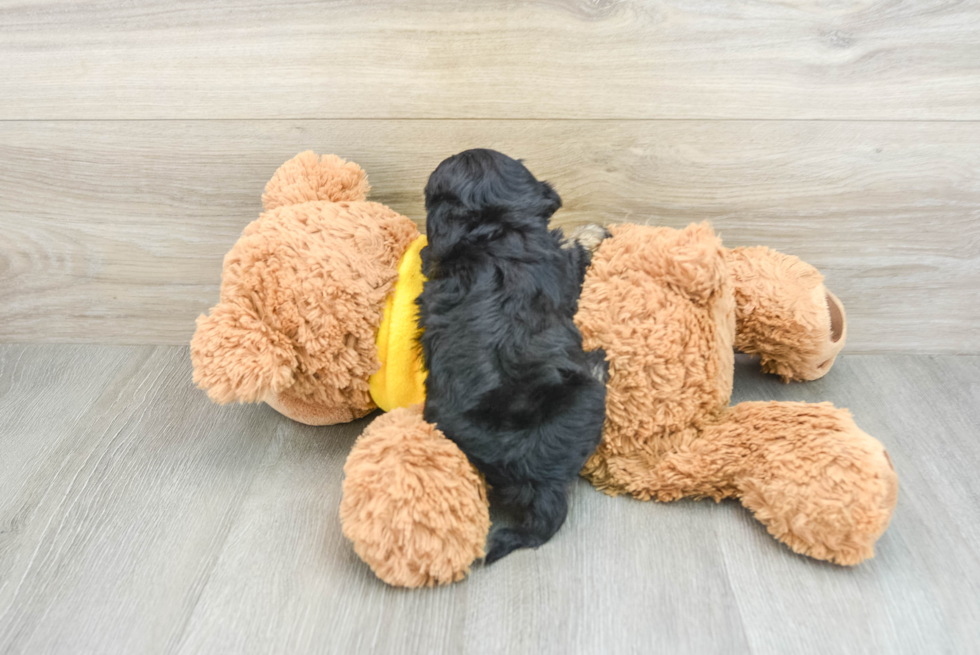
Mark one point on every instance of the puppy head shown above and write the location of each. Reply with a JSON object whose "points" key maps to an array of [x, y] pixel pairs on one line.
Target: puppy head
{"points": [[481, 194]]}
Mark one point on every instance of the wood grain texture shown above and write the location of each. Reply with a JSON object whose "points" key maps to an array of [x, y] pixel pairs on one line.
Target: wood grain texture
{"points": [[903, 59], [137, 517], [118, 492], [114, 232]]}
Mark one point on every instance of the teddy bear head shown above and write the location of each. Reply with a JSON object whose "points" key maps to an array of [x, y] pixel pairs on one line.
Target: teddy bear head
{"points": [[302, 295]]}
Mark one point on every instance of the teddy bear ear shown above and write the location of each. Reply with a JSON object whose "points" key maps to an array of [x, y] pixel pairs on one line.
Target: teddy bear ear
{"points": [[307, 177], [237, 357]]}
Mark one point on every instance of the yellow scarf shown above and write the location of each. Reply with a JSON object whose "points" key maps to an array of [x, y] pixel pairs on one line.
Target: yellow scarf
{"points": [[400, 381]]}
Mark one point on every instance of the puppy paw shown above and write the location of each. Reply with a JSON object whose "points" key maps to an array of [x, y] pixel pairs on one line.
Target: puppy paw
{"points": [[588, 236]]}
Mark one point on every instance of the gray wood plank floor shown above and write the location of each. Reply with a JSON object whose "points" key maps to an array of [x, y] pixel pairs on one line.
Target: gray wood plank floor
{"points": [[135, 517]]}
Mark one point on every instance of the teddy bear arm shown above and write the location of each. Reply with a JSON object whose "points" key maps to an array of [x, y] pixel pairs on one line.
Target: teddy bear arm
{"points": [[785, 314], [237, 356], [815, 480], [414, 507]]}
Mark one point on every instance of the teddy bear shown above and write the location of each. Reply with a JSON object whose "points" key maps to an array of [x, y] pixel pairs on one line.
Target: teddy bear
{"points": [[317, 319]]}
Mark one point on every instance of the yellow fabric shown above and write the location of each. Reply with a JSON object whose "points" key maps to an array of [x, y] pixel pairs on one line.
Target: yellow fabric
{"points": [[400, 382]]}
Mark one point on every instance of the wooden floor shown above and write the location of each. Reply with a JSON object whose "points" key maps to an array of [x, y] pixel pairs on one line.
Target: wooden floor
{"points": [[136, 517]]}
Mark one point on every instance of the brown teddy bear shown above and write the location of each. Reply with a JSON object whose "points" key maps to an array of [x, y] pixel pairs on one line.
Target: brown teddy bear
{"points": [[316, 319]]}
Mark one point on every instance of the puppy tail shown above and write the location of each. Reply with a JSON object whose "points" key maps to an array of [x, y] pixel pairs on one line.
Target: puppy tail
{"points": [[504, 541], [543, 516]]}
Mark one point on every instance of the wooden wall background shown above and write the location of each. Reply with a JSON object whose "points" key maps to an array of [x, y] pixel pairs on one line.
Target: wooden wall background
{"points": [[136, 138]]}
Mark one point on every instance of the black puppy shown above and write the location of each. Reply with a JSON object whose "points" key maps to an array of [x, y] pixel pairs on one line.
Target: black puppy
{"points": [[508, 380]]}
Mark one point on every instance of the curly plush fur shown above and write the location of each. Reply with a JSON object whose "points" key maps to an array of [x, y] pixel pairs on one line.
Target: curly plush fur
{"points": [[817, 482], [302, 293], [662, 304], [413, 505], [508, 380], [667, 305], [785, 315]]}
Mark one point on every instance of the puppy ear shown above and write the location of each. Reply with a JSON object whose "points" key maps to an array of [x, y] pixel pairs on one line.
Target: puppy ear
{"points": [[439, 222], [552, 201], [442, 227], [428, 265], [451, 229]]}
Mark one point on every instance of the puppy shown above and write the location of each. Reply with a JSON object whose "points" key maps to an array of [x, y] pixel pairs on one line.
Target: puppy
{"points": [[508, 380]]}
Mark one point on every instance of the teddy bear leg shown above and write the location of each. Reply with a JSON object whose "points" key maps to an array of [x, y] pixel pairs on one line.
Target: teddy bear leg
{"points": [[785, 314], [818, 483], [413, 505]]}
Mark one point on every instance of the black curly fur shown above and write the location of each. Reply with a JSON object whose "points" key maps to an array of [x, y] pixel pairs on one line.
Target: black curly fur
{"points": [[508, 380]]}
